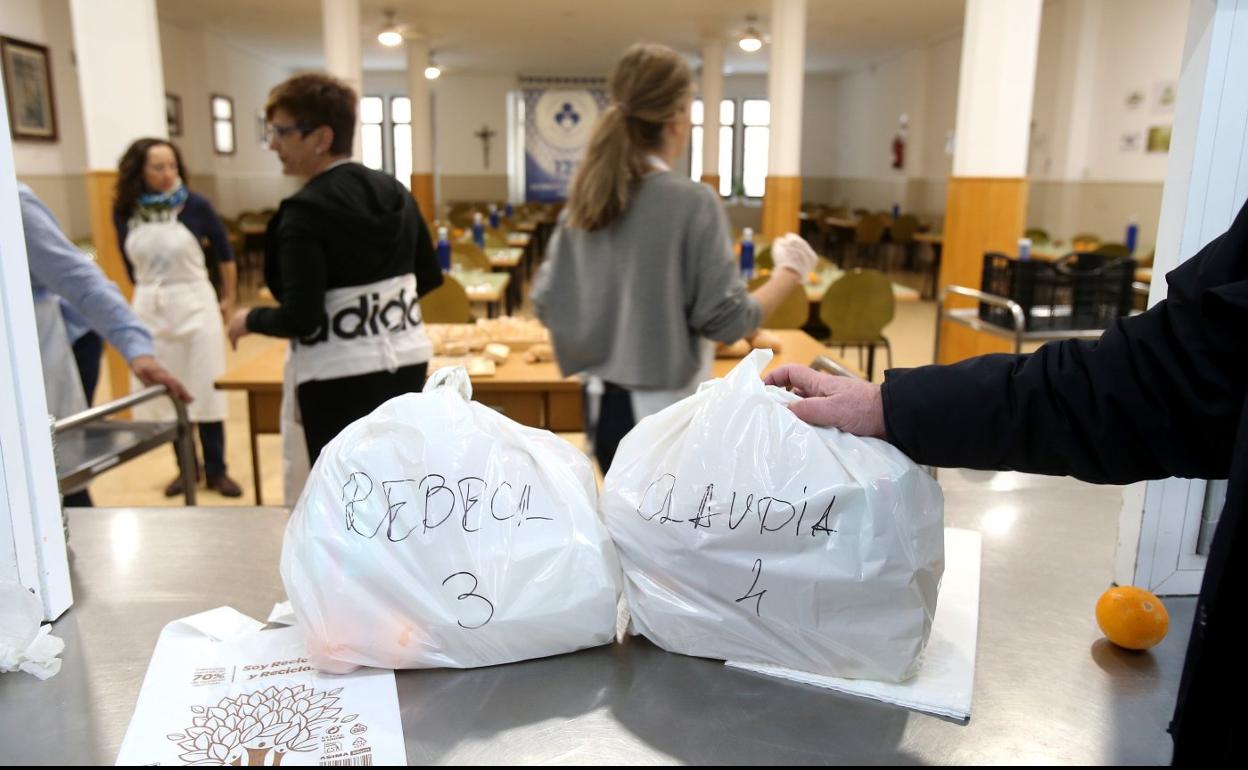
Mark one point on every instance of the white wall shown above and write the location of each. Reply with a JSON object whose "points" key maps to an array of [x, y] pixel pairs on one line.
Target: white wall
{"points": [[461, 105], [1141, 46], [53, 169], [198, 64], [1093, 53]]}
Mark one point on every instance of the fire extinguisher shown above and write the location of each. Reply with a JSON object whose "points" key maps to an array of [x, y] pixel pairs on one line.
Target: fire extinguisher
{"points": [[899, 151]]}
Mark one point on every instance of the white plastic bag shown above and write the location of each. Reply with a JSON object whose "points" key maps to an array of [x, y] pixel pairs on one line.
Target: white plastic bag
{"points": [[26, 644], [436, 532], [748, 535]]}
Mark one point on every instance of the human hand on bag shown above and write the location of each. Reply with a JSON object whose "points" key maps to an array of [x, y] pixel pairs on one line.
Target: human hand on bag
{"points": [[150, 372], [852, 405], [794, 253]]}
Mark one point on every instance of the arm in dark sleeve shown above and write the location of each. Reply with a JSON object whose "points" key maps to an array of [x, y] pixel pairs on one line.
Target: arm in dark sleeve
{"points": [[428, 271], [1160, 394], [215, 230], [123, 229], [302, 263]]}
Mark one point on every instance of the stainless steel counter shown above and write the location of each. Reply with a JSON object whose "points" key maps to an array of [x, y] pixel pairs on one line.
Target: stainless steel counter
{"points": [[1048, 690]]}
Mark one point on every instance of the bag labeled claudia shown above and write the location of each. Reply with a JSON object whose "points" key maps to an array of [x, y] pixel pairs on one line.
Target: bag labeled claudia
{"points": [[748, 535]]}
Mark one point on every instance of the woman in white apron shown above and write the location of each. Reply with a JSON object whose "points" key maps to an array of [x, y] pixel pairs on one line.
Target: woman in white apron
{"points": [[164, 230]]}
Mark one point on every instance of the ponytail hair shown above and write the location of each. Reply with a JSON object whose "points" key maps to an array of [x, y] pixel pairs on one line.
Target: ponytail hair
{"points": [[649, 87]]}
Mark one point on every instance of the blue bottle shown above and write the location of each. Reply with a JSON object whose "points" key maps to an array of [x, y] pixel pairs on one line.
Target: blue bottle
{"points": [[1133, 233], [478, 229], [444, 251], [747, 253], [1024, 249], [493, 216], [508, 211]]}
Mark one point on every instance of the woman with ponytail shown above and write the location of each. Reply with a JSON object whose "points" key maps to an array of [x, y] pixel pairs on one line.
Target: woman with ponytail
{"points": [[640, 278]]}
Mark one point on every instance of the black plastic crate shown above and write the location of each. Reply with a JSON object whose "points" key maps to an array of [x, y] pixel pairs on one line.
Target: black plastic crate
{"points": [[1079, 291]]}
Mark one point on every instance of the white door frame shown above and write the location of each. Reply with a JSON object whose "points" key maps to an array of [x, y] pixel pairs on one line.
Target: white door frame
{"points": [[1206, 184], [32, 537]]}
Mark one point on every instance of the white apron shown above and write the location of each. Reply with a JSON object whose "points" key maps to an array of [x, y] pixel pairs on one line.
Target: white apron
{"points": [[295, 465], [61, 383], [368, 328], [174, 298]]}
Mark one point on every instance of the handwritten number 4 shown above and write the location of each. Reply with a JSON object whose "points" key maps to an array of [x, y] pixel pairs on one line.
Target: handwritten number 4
{"points": [[758, 597], [470, 595]]}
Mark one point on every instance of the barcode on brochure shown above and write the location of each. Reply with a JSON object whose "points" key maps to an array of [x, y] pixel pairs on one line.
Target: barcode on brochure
{"points": [[357, 761]]}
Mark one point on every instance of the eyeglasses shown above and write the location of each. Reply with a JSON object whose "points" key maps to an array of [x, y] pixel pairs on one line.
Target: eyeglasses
{"points": [[277, 131]]}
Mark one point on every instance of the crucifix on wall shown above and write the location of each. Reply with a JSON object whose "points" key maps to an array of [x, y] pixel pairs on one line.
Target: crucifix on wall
{"points": [[485, 134]]}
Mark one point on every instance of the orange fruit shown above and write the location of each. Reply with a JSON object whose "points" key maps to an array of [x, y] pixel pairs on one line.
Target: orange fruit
{"points": [[1131, 617]]}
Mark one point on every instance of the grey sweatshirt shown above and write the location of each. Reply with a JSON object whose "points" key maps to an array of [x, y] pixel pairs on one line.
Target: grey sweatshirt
{"points": [[629, 303]]}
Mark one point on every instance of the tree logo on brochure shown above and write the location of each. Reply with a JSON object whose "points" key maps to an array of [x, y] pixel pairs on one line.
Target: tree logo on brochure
{"points": [[259, 728]]}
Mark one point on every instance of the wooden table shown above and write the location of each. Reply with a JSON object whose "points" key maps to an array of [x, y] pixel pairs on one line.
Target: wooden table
{"points": [[489, 288], [532, 394]]}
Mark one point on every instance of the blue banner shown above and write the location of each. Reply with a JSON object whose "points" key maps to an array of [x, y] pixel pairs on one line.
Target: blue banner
{"points": [[558, 123]]}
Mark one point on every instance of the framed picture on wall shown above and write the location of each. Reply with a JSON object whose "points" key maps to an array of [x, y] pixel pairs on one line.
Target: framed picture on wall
{"points": [[28, 86], [173, 114], [1159, 139]]}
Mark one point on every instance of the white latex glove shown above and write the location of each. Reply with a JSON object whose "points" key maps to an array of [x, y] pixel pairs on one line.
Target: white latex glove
{"points": [[793, 252]]}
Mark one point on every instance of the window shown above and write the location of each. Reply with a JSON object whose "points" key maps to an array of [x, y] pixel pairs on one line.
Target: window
{"points": [[222, 125], [386, 135], [727, 114], [401, 138], [727, 133], [756, 134], [372, 146]]}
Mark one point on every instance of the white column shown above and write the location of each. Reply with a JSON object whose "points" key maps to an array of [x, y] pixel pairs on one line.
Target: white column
{"points": [[995, 87], [422, 107], [340, 20], [712, 95], [122, 86], [784, 86]]}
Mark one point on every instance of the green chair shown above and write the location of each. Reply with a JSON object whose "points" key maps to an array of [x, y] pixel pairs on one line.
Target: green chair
{"points": [[868, 236], [1037, 236], [1112, 250], [856, 309], [447, 304], [793, 311], [762, 259], [901, 233]]}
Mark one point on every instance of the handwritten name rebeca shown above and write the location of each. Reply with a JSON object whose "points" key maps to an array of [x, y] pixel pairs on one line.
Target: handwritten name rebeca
{"points": [[476, 502], [773, 514]]}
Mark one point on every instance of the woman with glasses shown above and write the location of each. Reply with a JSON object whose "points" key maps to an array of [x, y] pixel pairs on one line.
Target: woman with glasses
{"points": [[166, 233], [347, 257]]}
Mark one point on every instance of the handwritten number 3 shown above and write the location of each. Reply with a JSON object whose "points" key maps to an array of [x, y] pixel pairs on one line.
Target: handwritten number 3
{"points": [[758, 597], [469, 594]]}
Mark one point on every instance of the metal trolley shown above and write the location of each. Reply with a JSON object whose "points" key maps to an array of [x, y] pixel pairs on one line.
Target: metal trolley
{"points": [[87, 444]]}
